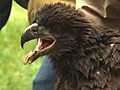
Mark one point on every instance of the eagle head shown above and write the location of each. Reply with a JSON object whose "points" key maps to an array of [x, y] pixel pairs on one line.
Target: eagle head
{"points": [[56, 28]]}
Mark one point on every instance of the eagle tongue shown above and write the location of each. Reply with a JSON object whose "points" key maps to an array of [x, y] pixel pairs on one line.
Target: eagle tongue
{"points": [[29, 58]]}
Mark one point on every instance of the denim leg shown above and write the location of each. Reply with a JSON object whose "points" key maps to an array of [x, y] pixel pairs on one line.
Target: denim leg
{"points": [[45, 77]]}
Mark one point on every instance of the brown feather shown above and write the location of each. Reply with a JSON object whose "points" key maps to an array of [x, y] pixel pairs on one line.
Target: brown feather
{"points": [[85, 57]]}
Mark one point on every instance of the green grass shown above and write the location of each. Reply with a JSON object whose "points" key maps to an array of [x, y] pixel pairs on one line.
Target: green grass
{"points": [[14, 75]]}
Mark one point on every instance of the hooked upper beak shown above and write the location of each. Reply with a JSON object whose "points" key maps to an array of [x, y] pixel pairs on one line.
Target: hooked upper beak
{"points": [[29, 34], [45, 41]]}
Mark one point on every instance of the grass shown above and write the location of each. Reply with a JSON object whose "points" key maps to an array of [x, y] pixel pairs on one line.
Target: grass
{"points": [[13, 74]]}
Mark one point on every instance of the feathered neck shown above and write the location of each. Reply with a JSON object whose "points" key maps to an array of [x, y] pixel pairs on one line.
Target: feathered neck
{"points": [[86, 56], [77, 61]]}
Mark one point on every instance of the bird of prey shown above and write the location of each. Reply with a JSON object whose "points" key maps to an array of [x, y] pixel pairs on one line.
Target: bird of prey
{"points": [[84, 57]]}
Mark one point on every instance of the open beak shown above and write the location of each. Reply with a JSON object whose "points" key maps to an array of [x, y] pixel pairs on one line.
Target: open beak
{"points": [[44, 44], [28, 34]]}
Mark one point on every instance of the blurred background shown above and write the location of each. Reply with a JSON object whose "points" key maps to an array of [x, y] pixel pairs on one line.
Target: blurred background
{"points": [[14, 75]]}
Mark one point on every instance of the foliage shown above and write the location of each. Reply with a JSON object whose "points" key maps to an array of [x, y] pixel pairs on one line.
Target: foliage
{"points": [[13, 74]]}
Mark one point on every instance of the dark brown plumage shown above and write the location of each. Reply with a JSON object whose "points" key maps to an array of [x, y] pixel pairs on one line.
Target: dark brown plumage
{"points": [[83, 56]]}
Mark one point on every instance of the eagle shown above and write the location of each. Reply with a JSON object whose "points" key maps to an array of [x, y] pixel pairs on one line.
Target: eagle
{"points": [[83, 56]]}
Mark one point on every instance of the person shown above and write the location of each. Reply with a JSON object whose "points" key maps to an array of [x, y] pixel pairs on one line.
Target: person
{"points": [[101, 13]]}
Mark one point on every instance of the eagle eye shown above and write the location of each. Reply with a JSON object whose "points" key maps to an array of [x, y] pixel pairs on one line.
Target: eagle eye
{"points": [[55, 28]]}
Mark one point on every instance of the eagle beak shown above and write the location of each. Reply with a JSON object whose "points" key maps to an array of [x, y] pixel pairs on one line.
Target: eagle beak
{"points": [[29, 34], [45, 41]]}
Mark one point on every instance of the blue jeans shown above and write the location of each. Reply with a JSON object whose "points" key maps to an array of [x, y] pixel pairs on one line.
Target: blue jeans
{"points": [[45, 77]]}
